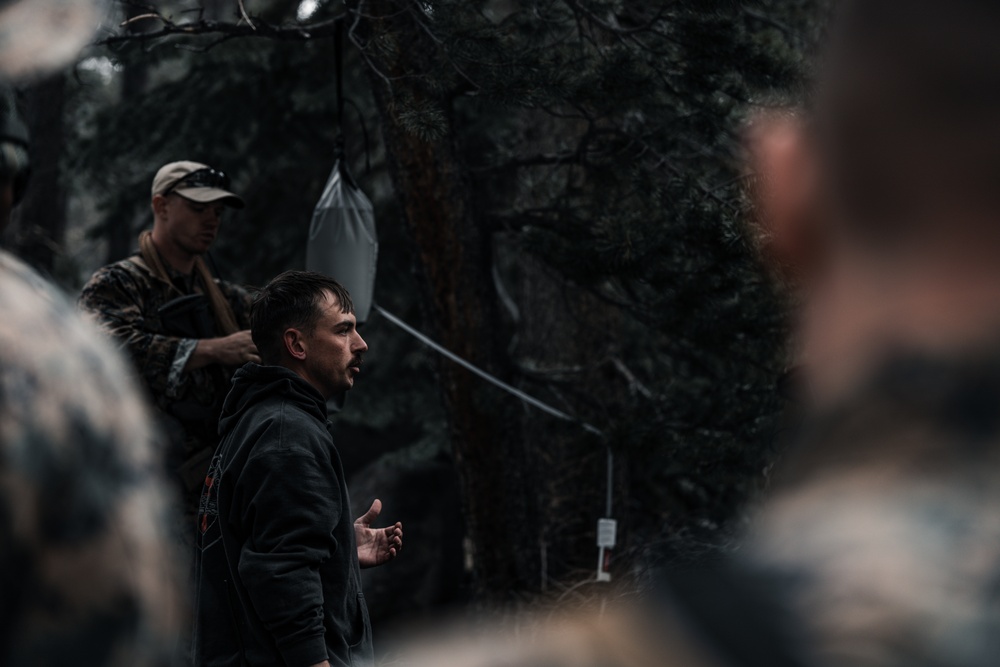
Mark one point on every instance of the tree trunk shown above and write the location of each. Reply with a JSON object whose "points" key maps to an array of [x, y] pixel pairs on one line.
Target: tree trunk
{"points": [[38, 225], [454, 272], [121, 233]]}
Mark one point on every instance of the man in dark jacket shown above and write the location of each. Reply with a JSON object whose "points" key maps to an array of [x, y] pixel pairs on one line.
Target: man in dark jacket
{"points": [[278, 579]]}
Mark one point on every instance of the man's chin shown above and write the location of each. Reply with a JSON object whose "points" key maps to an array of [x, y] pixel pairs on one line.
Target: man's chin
{"points": [[197, 250]]}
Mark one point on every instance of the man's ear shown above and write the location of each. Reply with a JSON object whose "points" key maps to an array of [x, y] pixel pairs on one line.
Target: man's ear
{"points": [[295, 343], [159, 206], [784, 172]]}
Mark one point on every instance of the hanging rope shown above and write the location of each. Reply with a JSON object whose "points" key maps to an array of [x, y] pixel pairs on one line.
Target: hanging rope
{"points": [[342, 101], [530, 400], [338, 46]]}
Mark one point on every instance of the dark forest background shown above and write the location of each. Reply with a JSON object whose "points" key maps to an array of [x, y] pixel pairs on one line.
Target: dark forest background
{"points": [[559, 200]]}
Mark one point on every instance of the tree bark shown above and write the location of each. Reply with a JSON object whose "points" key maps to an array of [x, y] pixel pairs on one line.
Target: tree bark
{"points": [[121, 233], [38, 227], [454, 272]]}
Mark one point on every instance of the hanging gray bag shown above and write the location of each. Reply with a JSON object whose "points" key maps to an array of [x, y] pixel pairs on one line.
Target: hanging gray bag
{"points": [[342, 239]]}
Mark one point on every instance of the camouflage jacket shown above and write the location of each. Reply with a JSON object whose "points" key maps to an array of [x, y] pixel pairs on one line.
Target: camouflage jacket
{"points": [[86, 574], [883, 531], [125, 299]]}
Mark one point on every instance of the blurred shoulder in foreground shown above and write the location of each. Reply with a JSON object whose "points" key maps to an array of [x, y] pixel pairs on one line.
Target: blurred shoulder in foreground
{"points": [[85, 574], [884, 533]]}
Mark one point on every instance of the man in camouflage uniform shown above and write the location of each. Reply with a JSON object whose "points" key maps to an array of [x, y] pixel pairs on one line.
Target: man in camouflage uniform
{"points": [[185, 331]]}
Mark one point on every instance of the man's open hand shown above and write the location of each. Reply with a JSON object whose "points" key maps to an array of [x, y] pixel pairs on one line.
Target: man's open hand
{"points": [[376, 545]]}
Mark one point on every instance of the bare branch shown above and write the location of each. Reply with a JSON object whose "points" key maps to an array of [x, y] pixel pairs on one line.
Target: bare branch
{"points": [[648, 26], [786, 30], [140, 17], [353, 37], [556, 159], [243, 12], [319, 30], [634, 384]]}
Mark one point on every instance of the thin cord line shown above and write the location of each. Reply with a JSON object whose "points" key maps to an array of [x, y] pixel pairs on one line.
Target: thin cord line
{"points": [[531, 400]]}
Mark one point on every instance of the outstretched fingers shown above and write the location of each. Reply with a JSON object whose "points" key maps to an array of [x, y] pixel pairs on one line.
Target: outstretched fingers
{"points": [[394, 538], [369, 517]]}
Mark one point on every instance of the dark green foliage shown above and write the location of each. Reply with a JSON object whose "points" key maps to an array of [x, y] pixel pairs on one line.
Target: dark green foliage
{"points": [[600, 140], [606, 136]]}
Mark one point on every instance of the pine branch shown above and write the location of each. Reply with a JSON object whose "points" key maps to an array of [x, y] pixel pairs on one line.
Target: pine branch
{"points": [[647, 26], [541, 160], [764, 18]]}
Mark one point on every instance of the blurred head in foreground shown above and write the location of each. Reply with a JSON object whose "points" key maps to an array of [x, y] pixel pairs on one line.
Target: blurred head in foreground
{"points": [[883, 529], [882, 195]]}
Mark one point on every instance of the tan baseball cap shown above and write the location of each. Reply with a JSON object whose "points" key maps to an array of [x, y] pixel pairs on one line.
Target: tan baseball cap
{"points": [[195, 181]]}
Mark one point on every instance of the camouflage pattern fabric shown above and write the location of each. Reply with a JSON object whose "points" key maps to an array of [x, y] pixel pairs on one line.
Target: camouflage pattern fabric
{"points": [[86, 576], [124, 298], [884, 535]]}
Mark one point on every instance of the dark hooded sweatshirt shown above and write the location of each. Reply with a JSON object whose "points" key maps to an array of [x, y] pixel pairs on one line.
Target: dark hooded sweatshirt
{"points": [[277, 573]]}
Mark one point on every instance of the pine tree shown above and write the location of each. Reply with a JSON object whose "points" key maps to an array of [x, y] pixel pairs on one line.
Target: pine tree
{"points": [[565, 185], [587, 152]]}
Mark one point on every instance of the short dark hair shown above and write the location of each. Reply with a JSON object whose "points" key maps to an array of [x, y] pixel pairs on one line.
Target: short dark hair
{"points": [[907, 109], [290, 300]]}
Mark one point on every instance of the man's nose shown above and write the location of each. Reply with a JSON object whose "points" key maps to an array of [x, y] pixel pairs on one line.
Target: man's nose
{"points": [[359, 344]]}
